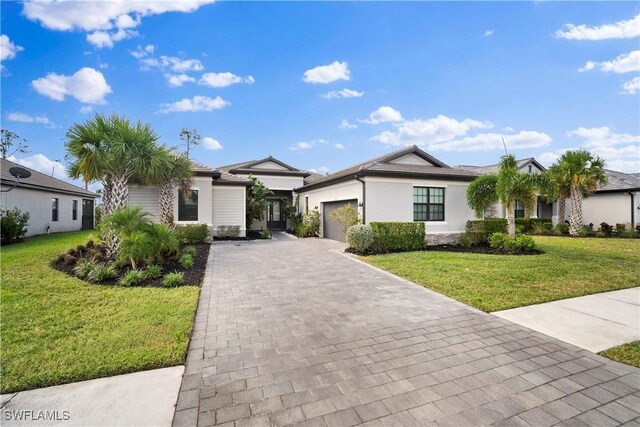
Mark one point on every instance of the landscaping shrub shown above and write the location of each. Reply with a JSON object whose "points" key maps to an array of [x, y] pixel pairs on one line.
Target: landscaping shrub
{"points": [[85, 269], [299, 229], [70, 259], [480, 230], [192, 234], [13, 225], [620, 228], [191, 250], [465, 240], [132, 278], [506, 243], [346, 216], [311, 222], [152, 271], [561, 228], [265, 234], [397, 236], [186, 261], [360, 237], [587, 230], [606, 228], [535, 225], [172, 280], [629, 234], [102, 273]]}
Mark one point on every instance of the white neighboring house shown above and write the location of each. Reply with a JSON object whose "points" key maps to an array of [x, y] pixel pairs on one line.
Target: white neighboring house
{"points": [[53, 205], [616, 202], [217, 199]]}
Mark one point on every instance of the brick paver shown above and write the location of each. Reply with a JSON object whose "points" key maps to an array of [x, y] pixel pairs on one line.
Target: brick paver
{"points": [[292, 332]]}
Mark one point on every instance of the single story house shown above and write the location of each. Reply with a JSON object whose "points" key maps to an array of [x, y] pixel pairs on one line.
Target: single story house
{"points": [[53, 205]]}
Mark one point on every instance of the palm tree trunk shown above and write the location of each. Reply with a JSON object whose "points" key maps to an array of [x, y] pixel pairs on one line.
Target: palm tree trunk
{"points": [[575, 219], [562, 207], [106, 197], [511, 219], [119, 192], [165, 198]]}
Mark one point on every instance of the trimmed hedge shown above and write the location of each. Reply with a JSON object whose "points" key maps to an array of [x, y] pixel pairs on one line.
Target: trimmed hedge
{"points": [[531, 224], [397, 237], [192, 234], [480, 230]]}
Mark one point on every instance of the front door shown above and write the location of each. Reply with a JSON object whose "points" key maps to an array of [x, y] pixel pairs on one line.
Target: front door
{"points": [[87, 214], [275, 218]]}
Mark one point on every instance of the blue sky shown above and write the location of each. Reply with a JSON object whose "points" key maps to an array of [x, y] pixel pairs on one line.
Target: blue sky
{"points": [[325, 85]]}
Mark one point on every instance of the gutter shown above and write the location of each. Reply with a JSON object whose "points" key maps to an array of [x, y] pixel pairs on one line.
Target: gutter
{"points": [[364, 197], [633, 210]]}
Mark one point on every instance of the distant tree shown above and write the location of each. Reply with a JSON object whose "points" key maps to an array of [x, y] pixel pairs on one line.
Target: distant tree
{"points": [[11, 143], [190, 137], [256, 200]]}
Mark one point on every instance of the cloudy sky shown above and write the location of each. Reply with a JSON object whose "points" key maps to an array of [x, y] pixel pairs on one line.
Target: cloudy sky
{"points": [[325, 85]]}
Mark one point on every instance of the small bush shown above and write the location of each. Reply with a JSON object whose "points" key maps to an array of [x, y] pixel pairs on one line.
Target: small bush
{"points": [[90, 244], [541, 227], [561, 228], [85, 269], [397, 236], [72, 252], [102, 273], [587, 230], [347, 216], [360, 237], [299, 229], [265, 234], [311, 222], [70, 259], [152, 271], [620, 228], [192, 234], [503, 242], [186, 261], [480, 230], [629, 234], [13, 225], [172, 280], [638, 228], [606, 228], [535, 225], [81, 249], [132, 278], [465, 240], [191, 250], [524, 243]]}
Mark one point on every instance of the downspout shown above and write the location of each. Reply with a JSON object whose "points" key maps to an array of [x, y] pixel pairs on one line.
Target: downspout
{"points": [[633, 210], [364, 197]]}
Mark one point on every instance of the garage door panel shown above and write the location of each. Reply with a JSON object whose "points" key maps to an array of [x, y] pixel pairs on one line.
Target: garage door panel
{"points": [[332, 229]]}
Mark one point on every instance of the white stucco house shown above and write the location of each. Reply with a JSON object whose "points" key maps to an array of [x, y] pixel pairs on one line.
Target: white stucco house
{"points": [[53, 205]]}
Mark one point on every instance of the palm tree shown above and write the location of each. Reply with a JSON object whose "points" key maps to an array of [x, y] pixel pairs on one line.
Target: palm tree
{"points": [[507, 186], [177, 172], [582, 174]]}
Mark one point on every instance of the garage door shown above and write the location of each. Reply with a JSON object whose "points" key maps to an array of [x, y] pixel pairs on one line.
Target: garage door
{"points": [[332, 229]]}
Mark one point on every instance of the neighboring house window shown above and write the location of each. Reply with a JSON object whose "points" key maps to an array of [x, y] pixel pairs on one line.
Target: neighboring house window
{"points": [[55, 203], [188, 206], [74, 211], [306, 203], [428, 204], [519, 209], [530, 169]]}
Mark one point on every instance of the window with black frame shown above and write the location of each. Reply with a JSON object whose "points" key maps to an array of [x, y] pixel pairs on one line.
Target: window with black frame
{"points": [[55, 204], [519, 209], [188, 206], [428, 204], [74, 211]]}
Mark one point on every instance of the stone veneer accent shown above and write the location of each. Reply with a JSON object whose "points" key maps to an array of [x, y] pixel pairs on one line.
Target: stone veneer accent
{"points": [[443, 239]]}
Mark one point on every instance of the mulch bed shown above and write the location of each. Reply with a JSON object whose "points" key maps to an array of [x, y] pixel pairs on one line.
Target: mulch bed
{"points": [[475, 249], [192, 277], [251, 235]]}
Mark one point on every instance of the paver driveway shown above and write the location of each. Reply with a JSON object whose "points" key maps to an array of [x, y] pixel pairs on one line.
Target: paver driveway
{"points": [[291, 332]]}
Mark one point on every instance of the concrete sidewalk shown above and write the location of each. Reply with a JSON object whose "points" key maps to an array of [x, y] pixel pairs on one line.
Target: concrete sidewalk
{"points": [[594, 322], [145, 398]]}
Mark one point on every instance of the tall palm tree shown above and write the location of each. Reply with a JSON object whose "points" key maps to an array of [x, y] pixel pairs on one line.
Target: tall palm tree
{"points": [[582, 173], [506, 186], [177, 172]]}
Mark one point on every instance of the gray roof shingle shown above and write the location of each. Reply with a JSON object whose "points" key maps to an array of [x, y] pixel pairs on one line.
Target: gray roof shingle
{"points": [[40, 181]]}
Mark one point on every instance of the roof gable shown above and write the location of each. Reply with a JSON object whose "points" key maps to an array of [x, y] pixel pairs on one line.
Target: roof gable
{"points": [[411, 159], [269, 165], [41, 181]]}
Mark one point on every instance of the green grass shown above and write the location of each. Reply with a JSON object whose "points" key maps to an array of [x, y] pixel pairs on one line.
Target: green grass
{"points": [[57, 329], [569, 268], [625, 353]]}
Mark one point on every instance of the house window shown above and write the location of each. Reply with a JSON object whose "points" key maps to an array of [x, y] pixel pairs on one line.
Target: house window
{"points": [[55, 203], [74, 210], [428, 204], [530, 169], [519, 209], [188, 206], [306, 203]]}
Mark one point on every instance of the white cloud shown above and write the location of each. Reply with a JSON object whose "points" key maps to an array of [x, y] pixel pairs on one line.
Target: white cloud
{"points": [[85, 109], [550, 157], [172, 63], [344, 124], [488, 33], [493, 141], [624, 63], [305, 145], [339, 146], [141, 52], [225, 79], [107, 21], [382, 115], [620, 30], [8, 49], [86, 85], [328, 73], [621, 151], [631, 87], [344, 93], [211, 144], [26, 118], [197, 103], [43, 164], [177, 80]]}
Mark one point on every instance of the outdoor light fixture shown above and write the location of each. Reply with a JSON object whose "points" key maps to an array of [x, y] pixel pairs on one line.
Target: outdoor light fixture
{"points": [[17, 172]]}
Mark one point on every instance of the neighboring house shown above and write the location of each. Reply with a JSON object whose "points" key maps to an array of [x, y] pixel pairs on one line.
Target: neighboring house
{"points": [[406, 185], [616, 202], [280, 178], [217, 199], [53, 205]]}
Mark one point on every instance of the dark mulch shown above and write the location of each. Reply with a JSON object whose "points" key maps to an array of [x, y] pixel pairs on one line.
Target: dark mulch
{"points": [[192, 277], [251, 235], [474, 249]]}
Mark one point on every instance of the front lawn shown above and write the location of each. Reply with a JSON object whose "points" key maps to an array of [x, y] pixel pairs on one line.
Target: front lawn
{"points": [[625, 353], [570, 267], [58, 329]]}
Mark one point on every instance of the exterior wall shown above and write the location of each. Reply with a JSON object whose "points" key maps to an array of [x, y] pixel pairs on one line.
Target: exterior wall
{"points": [[269, 165], [203, 185], [273, 182], [38, 204], [611, 208], [341, 191], [391, 199], [147, 199], [228, 207]]}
